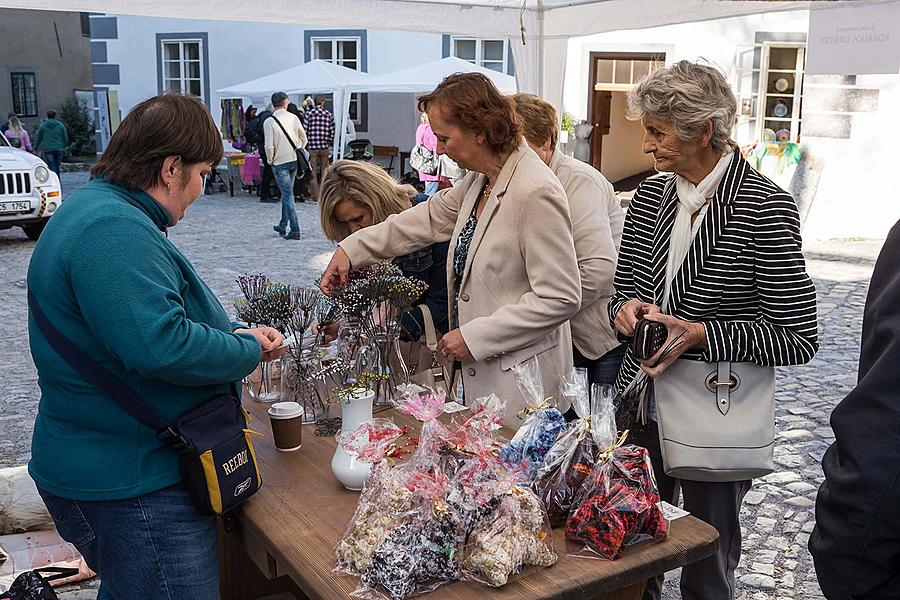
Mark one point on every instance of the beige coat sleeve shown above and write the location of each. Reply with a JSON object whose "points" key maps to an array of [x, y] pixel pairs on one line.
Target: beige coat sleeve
{"points": [[594, 242], [426, 223], [544, 239]]}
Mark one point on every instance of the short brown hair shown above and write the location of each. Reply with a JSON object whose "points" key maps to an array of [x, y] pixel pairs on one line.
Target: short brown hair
{"points": [[364, 184], [473, 101], [538, 119], [165, 125]]}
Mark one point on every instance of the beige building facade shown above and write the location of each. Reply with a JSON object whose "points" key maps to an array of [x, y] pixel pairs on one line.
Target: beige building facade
{"points": [[45, 59]]}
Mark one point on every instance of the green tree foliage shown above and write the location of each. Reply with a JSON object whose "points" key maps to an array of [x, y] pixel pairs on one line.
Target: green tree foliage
{"points": [[77, 119]]}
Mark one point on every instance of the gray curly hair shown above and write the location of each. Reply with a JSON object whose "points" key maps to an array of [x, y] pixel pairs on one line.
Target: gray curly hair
{"points": [[688, 94]]}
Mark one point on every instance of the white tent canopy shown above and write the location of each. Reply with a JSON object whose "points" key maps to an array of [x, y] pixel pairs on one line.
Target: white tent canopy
{"points": [[420, 79], [425, 77], [537, 29], [313, 77]]}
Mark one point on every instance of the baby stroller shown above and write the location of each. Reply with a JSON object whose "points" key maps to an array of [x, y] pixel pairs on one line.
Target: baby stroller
{"points": [[215, 184], [359, 150]]}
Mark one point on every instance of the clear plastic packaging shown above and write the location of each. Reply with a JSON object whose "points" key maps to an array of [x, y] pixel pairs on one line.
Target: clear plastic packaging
{"points": [[542, 424], [423, 551], [568, 463], [383, 505], [514, 534], [618, 506]]}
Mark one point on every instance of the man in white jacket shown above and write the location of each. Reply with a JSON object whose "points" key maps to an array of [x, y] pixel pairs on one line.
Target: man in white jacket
{"points": [[284, 135]]}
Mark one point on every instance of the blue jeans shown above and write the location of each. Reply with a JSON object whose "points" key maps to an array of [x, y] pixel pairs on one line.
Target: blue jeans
{"points": [[53, 158], [155, 547], [604, 370], [431, 187], [284, 178]]}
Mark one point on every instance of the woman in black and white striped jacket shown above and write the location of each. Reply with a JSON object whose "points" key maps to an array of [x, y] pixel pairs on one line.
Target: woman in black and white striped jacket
{"points": [[712, 250]]}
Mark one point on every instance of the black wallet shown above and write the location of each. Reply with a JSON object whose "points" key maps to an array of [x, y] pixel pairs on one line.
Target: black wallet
{"points": [[649, 337]]}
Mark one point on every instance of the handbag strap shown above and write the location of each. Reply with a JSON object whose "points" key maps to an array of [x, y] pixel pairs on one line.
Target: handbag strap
{"points": [[289, 138], [97, 375], [430, 332], [723, 385]]}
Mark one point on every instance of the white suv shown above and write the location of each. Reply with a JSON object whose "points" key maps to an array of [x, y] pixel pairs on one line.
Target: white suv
{"points": [[29, 191]]}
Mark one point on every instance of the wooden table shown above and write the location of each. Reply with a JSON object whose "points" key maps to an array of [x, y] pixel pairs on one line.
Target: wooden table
{"points": [[284, 538]]}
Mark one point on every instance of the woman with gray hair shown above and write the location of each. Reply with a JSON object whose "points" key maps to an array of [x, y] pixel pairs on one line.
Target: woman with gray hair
{"points": [[710, 249]]}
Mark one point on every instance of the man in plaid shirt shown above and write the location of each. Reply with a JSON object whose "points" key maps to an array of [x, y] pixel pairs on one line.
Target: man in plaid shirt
{"points": [[319, 126]]}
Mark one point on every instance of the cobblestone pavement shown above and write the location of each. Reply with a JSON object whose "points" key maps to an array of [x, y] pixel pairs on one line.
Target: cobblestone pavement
{"points": [[226, 236]]}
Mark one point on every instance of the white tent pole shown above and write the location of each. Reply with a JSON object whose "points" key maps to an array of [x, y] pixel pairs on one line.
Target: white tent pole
{"points": [[345, 115], [340, 122]]}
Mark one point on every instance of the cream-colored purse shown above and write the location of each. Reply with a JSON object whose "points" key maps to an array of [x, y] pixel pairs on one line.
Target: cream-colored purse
{"points": [[716, 420], [435, 375]]}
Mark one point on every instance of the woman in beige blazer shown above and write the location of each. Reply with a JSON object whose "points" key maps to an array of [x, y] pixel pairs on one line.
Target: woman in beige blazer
{"points": [[512, 275], [597, 221]]}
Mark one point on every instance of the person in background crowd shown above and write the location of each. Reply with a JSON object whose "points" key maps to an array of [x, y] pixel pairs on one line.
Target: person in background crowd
{"points": [[425, 137], [597, 220], [107, 277], [356, 195], [5, 125], [710, 249], [301, 184], [259, 134], [283, 133], [51, 138], [512, 276], [856, 540], [17, 135], [319, 124], [249, 115]]}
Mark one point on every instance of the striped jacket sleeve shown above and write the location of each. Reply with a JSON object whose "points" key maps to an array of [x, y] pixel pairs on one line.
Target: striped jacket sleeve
{"points": [[785, 331], [625, 288]]}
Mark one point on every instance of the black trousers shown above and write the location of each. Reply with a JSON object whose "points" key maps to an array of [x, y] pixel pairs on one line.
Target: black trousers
{"points": [[717, 503], [268, 179]]}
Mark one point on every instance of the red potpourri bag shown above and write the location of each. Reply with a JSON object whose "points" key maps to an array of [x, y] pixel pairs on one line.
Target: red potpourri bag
{"points": [[618, 506], [570, 460]]}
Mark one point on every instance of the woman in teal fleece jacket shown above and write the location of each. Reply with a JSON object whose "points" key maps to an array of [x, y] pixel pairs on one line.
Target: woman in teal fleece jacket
{"points": [[106, 275]]}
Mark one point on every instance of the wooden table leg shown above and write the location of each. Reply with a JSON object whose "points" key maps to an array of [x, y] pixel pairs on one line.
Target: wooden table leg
{"points": [[632, 592], [239, 577]]}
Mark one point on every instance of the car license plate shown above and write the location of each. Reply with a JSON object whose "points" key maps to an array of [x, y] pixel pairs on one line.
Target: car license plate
{"points": [[14, 207]]}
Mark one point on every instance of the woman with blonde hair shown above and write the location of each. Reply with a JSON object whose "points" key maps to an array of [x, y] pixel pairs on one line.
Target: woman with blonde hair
{"points": [[17, 135], [355, 195]]}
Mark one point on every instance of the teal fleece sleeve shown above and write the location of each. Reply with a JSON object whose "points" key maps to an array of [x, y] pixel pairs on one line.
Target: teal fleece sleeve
{"points": [[128, 287]]}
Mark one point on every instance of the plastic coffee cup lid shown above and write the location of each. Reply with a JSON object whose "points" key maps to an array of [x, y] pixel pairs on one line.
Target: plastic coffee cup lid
{"points": [[285, 410]]}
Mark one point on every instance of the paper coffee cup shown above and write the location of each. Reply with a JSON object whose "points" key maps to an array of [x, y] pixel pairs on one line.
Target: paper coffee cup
{"points": [[287, 421]]}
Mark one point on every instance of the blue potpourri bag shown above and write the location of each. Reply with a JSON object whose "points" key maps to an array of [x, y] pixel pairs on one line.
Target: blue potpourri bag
{"points": [[541, 424]]}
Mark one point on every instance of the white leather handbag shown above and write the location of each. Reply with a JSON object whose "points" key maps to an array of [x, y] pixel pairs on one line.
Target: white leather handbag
{"points": [[716, 420]]}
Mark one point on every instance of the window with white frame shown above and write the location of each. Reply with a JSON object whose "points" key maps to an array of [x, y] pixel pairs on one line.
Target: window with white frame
{"points": [[490, 54], [344, 51], [768, 83], [182, 66]]}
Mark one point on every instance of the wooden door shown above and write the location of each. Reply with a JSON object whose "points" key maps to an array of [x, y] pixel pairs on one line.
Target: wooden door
{"points": [[601, 105]]}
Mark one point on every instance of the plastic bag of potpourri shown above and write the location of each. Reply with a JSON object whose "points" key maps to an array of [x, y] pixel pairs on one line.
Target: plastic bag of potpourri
{"points": [[423, 550], [510, 530], [570, 460], [541, 425], [617, 507]]}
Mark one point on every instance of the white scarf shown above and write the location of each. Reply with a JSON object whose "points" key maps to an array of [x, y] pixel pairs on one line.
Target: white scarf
{"points": [[691, 198]]}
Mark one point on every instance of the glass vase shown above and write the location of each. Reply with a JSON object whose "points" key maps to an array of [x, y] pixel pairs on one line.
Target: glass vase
{"points": [[302, 382], [262, 383], [380, 366]]}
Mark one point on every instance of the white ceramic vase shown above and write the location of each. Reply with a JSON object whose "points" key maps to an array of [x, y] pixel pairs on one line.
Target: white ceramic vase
{"points": [[356, 409]]}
